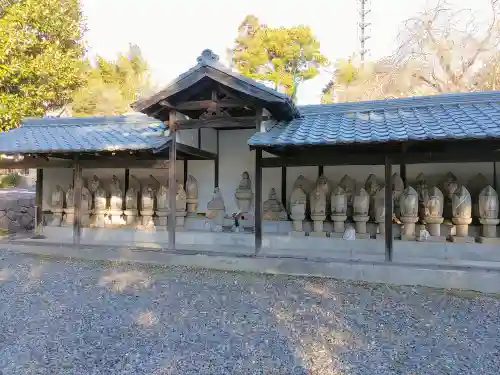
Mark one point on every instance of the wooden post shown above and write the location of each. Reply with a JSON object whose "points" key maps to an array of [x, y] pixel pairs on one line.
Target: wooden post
{"points": [[216, 161], [495, 175], [185, 172], [402, 172], [258, 201], [320, 170], [388, 210], [172, 183], [127, 185], [77, 199], [283, 186], [258, 187], [39, 201]]}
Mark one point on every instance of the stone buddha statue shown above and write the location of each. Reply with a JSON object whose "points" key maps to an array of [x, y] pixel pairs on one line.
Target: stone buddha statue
{"points": [[70, 196], [162, 202], [192, 195], [372, 187], [273, 209], [56, 206], [461, 205], [116, 195], [216, 210], [298, 204], [488, 211], [244, 193]]}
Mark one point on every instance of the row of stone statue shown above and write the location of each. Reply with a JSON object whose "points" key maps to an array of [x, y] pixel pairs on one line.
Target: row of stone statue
{"points": [[429, 205], [138, 205]]}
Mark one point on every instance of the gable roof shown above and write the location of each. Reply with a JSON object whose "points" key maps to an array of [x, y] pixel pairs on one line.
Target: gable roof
{"points": [[279, 104], [438, 117], [84, 134]]}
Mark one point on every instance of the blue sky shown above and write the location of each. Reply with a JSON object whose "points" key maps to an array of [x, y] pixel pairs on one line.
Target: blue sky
{"points": [[172, 34]]}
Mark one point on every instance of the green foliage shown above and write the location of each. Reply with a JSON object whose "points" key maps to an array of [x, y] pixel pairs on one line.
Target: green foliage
{"points": [[112, 85], [10, 180], [283, 56], [41, 54]]}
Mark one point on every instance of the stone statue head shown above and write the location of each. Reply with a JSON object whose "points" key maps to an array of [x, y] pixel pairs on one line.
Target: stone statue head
{"points": [[272, 194]]}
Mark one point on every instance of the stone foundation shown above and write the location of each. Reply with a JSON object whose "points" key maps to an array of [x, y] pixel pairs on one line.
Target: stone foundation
{"points": [[17, 210]]}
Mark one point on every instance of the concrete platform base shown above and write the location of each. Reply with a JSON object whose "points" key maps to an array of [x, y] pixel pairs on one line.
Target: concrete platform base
{"points": [[336, 235], [362, 236], [404, 237], [441, 239], [467, 239], [297, 234], [489, 240], [317, 234], [470, 278]]}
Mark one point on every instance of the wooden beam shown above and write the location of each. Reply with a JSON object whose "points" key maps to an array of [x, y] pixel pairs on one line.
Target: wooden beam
{"points": [[172, 182], [218, 122], [193, 153], [185, 172], [388, 210], [206, 104], [77, 200], [258, 201], [39, 201]]}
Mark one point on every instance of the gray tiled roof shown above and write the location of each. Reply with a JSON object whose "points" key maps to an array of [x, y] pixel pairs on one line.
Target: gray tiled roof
{"points": [[84, 134], [439, 117]]}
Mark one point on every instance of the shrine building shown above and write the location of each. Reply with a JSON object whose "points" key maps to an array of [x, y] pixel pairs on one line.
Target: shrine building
{"points": [[217, 162]]}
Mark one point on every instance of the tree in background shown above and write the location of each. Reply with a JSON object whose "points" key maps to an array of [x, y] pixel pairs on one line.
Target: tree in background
{"points": [[282, 56], [440, 50], [41, 53], [113, 85]]}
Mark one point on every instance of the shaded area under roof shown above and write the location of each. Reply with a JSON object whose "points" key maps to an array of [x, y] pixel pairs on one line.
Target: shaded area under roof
{"points": [[440, 117], [209, 69], [65, 135]]}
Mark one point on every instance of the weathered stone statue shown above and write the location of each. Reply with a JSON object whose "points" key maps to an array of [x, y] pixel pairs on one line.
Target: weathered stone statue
{"points": [[488, 211], [462, 210], [147, 205], [307, 186], [273, 209], [162, 206], [397, 189], [180, 206], [192, 196], [372, 187], [433, 214], [408, 205], [86, 206], [339, 209], [422, 196], [131, 199], [349, 186], [380, 211], [69, 210], [216, 211], [361, 206], [450, 184], [318, 210], [116, 202], [475, 186], [100, 211], [244, 193], [324, 185], [57, 206], [94, 184], [298, 203]]}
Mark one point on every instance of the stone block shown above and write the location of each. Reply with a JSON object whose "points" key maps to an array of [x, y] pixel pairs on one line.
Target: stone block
{"points": [[440, 239], [405, 237], [362, 236], [294, 233], [337, 235]]}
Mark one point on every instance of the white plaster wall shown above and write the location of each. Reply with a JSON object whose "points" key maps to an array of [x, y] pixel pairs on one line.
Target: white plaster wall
{"points": [[209, 140], [53, 177], [188, 137]]}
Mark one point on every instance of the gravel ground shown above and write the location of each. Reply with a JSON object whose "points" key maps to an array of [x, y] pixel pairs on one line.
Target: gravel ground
{"points": [[72, 317]]}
